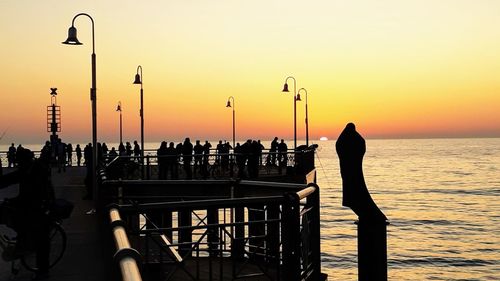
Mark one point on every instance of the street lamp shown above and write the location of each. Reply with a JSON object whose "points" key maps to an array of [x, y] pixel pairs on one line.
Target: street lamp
{"points": [[73, 40], [234, 105], [295, 99], [138, 80], [119, 108], [307, 119]]}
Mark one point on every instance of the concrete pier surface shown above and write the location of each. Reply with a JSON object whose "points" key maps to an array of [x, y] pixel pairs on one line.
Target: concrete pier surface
{"points": [[88, 255]]}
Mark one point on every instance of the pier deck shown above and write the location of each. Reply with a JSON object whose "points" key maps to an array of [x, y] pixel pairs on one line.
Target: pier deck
{"points": [[87, 255]]}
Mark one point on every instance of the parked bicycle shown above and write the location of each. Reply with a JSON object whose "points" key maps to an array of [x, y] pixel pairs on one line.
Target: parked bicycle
{"points": [[61, 209]]}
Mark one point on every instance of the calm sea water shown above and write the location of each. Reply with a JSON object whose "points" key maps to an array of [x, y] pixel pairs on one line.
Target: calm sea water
{"points": [[442, 197]]}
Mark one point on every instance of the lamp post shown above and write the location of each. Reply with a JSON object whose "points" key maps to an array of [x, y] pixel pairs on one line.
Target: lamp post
{"points": [[119, 108], [307, 119], [234, 126], [295, 99], [139, 78], [73, 40]]}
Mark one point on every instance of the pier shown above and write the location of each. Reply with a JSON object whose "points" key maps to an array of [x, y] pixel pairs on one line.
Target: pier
{"points": [[220, 228]]}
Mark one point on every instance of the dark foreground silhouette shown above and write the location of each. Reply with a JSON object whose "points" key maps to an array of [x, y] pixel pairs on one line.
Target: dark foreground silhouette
{"points": [[351, 148]]}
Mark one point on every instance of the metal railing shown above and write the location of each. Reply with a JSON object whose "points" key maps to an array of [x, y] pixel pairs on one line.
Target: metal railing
{"points": [[243, 229], [126, 257]]}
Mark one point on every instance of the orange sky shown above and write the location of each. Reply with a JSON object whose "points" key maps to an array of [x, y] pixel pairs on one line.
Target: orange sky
{"points": [[395, 68]]}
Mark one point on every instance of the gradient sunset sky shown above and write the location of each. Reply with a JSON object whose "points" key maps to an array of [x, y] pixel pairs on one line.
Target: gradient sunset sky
{"points": [[395, 68]]}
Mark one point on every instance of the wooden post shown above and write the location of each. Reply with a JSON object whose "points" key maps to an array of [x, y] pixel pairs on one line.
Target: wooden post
{"points": [[314, 235], [213, 236], [185, 235], [372, 249]]}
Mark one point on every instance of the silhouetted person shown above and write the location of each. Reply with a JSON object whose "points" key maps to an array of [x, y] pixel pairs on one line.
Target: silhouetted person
{"points": [[121, 149], [104, 150], [273, 150], [253, 160], [351, 148], [46, 151], [259, 151], [172, 162], [137, 151], [206, 156], [224, 158], [282, 154], [187, 157], [218, 150], [61, 155], [162, 161], [78, 151], [69, 154], [240, 160], [198, 156], [28, 215], [112, 153], [11, 156], [128, 149]]}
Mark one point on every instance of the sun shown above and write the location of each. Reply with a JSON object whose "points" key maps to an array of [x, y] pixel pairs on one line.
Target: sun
{"points": [[323, 139]]}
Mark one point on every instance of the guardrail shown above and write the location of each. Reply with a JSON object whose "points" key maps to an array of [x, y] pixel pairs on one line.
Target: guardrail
{"points": [[125, 255], [224, 229]]}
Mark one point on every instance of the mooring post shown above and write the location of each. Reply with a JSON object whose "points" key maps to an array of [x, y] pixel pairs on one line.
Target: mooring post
{"points": [[372, 250]]}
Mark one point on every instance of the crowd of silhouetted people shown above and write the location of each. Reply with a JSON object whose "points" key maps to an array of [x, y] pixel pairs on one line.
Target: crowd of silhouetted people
{"points": [[199, 160]]}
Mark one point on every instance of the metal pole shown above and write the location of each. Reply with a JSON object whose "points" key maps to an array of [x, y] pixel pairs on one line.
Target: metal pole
{"points": [[307, 125], [142, 132], [234, 127], [121, 128], [93, 92]]}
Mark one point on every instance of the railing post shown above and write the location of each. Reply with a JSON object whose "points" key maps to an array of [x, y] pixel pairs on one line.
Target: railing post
{"points": [[313, 201], [238, 243], [290, 237], [185, 220], [372, 249], [148, 168], [213, 236], [273, 234], [256, 228]]}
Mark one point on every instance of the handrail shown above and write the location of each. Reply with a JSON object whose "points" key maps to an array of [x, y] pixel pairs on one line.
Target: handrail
{"points": [[126, 256], [305, 192]]}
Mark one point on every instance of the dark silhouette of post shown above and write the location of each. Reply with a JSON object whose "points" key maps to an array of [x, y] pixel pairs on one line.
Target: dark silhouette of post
{"points": [[139, 79], [372, 223], [234, 125], [119, 108]]}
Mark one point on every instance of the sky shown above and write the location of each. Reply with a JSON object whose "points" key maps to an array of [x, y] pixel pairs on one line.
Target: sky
{"points": [[397, 69]]}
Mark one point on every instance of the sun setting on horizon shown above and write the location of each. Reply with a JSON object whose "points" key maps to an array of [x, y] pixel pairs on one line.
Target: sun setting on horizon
{"points": [[397, 69]]}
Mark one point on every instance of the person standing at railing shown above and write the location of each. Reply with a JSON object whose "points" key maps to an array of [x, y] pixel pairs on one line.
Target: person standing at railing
{"points": [[171, 162], [137, 152], [218, 151], [198, 157], [69, 153], [187, 157], [206, 155], [161, 154], [273, 150], [282, 155], [78, 151], [11, 156], [259, 151]]}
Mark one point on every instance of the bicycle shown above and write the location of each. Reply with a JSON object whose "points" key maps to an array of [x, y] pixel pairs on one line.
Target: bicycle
{"points": [[57, 238]]}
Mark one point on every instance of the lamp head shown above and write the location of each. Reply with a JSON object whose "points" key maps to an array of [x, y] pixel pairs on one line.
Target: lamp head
{"points": [[228, 104], [53, 91], [298, 97], [72, 40], [137, 79], [119, 107], [285, 88]]}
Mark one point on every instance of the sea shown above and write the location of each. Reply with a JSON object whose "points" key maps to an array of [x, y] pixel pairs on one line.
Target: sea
{"points": [[442, 197]]}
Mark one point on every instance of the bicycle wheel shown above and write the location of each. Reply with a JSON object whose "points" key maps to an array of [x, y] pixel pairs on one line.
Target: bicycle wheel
{"points": [[57, 238]]}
